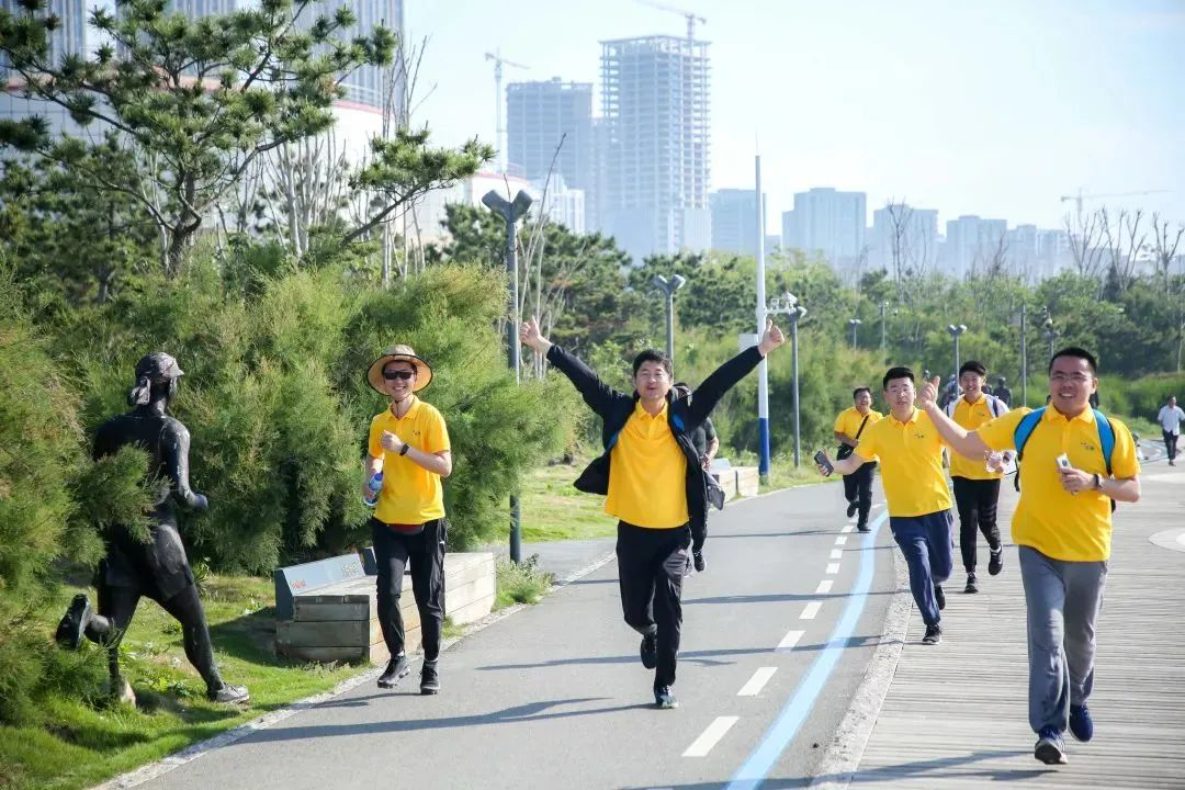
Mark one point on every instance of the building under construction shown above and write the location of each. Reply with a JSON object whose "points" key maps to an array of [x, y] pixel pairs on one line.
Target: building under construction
{"points": [[653, 190]]}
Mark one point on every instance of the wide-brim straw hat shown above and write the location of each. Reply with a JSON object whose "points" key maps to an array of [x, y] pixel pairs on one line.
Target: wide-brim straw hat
{"points": [[399, 353]]}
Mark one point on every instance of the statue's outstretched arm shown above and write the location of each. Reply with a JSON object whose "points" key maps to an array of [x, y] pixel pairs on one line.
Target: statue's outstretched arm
{"points": [[176, 452]]}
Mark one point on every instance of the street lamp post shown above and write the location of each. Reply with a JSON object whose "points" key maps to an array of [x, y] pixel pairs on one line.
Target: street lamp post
{"points": [[788, 306], [956, 332], [668, 287], [852, 324], [1024, 355], [884, 307], [1050, 334], [511, 213]]}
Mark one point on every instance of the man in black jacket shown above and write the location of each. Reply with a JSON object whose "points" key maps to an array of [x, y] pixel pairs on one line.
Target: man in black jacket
{"points": [[654, 483]]}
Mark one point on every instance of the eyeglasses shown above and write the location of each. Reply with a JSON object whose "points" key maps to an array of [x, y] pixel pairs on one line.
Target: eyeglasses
{"points": [[402, 375], [1061, 378]]}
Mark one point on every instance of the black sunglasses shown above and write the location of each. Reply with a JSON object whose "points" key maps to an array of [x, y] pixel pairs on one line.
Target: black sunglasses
{"points": [[405, 375]]}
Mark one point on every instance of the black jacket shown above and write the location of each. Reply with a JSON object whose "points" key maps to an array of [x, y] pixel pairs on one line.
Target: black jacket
{"points": [[684, 416]]}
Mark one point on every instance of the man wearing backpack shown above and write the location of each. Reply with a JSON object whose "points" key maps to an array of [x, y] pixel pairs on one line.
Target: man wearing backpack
{"points": [[977, 481], [1074, 463], [849, 427]]}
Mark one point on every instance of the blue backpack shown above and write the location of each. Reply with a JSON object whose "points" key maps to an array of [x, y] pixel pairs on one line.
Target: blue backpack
{"points": [[1030, 421]]}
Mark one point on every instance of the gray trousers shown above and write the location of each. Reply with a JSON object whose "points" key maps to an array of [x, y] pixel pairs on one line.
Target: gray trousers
{"points": [[1063, 600]]}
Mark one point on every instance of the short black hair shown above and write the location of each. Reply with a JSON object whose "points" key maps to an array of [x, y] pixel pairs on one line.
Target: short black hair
{"points": [[653, 355], [973, 367], [1077, 353], [897, 373], [856, 392]]}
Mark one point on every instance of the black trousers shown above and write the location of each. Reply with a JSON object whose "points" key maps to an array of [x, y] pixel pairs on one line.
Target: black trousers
{"points": [[117, 605], [425, 552], [651, 564], [976, 501], [1170, 443], [857, 487]]}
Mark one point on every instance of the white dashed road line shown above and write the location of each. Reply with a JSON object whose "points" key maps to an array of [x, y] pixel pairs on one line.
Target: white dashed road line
{"points": [[757, 682], [824, 587], [836, 554], [847, 528], [711, 736], [789, 641], [841, 540], [810, 610], [833, 568]]}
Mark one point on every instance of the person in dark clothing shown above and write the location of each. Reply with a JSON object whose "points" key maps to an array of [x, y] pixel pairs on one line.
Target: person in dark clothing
{"points": [[654, 483], [706, 444], [158, 569], [849, 427], [1002, 392]]}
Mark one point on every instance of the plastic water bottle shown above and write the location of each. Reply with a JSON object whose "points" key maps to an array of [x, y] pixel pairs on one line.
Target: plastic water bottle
{"points": [[376, 486]]}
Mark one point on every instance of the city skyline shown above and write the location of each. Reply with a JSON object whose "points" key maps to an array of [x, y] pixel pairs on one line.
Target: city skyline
{"points": [[1015, 118]]}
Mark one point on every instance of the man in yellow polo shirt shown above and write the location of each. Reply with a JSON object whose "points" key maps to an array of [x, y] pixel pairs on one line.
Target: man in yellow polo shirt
{"points": [[409, 444], [654, 483], [910, 452], [977, 481], [1062, 527], [849, 427]]}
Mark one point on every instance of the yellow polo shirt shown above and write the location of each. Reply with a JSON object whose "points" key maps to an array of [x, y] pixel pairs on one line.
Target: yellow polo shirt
{"points": [[648, 473], [1061, 525], [971, 416], [411, 494], [849, 421], [911, 464]]}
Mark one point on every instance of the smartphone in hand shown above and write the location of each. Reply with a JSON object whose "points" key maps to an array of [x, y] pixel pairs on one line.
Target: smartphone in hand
{"points": [[822, 460]]}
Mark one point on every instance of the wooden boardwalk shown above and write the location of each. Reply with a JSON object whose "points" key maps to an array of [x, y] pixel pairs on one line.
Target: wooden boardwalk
{"points": [[956, 715]]}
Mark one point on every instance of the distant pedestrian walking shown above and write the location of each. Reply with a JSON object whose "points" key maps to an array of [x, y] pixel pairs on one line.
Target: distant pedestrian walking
{"points": [[1074, 464], [1170, 418], [849, 427], [654, 483], [1002, 392]]}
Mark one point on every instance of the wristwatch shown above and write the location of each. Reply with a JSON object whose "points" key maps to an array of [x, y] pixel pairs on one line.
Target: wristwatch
{"points": [[1098, 482], [403, 451]]}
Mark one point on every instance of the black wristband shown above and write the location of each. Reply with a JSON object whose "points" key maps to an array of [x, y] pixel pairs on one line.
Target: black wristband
{"points": [[403, 450]]}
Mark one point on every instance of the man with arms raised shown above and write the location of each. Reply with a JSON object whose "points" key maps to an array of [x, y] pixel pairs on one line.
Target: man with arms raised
{"points": [[654, 482], [910, 452], [1075, 462]]}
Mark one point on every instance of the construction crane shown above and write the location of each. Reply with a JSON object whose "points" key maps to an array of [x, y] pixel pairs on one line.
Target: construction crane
{"points": [[1078, 198], [690, 16], [499, 132]]}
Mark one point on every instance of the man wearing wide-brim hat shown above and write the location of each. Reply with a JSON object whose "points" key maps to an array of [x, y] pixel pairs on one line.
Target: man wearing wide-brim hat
{"points": [[409, 444]]}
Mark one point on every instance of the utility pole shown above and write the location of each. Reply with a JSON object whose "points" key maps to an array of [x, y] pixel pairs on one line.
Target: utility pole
{"points": [[511, 213], [668, 288], [853, 324], [1024, 354], [884, 308], [956, 332], [788, 305], [763, 368]]}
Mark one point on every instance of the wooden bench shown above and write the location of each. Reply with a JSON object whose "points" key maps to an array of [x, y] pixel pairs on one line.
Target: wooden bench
{"points": [[328, 610]]}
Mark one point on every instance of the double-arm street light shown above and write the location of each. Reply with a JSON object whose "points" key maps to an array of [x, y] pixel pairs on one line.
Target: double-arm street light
{"points": [[1050, 334], [511, 213], [853, 323], [668, 287], [788, 306], [956, 332]]}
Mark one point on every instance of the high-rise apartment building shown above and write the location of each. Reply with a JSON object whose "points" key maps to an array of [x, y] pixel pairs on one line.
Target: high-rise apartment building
{"points": [[369, 86], [903, 239], [734, 220], [539, 117], [655, 110], [974, 244], [827, 222]]}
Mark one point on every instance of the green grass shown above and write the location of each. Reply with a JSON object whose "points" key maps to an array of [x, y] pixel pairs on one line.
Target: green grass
{"points": [[80, 743], [522, 583], [553, 510]]}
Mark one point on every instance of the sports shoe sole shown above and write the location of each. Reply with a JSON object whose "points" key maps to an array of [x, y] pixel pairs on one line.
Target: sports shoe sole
{"points": [[390, 684], [1049, 753]]}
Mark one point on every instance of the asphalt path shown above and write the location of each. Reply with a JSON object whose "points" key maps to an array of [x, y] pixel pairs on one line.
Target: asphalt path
{"points": [[777, 636]]}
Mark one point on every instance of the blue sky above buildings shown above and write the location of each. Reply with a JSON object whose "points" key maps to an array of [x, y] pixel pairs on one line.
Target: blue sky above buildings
{"points": [[994, 109]]}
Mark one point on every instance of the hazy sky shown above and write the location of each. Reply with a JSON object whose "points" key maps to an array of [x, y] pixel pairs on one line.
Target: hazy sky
{"points": [[992, 108]]}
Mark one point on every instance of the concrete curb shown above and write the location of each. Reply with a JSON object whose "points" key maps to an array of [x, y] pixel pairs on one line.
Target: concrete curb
{"points": [[842, 758], [146, 773]]}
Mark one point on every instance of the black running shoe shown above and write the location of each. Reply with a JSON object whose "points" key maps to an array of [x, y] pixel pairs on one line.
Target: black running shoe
{"points": [[664, 699], [933, 635], [996, 563], [649, 650], [939, 596], [972, 584], [429, 679], [862, 525], [72, 628], [397, 669], [698, 557], [852, 507], [228, 694]]}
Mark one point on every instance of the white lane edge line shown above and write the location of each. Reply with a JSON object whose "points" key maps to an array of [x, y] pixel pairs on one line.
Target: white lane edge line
{"points": [[824, 587], [836, 554], [757, 682], [711, 736], [789, 641], [841, 540], [810, 610]]}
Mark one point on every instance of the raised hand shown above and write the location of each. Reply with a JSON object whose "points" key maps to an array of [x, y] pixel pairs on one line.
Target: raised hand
{"points": [[772, 338], [530, 335], [929, 392], [391, 442]]}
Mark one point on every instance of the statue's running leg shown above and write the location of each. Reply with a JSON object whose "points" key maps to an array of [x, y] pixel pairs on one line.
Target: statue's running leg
{"points": [[186, 606]]}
